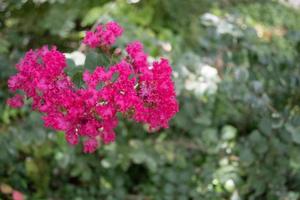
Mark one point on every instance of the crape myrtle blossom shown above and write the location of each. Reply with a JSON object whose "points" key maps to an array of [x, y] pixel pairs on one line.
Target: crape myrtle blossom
{"points": [[104, 35], [139, 90]]}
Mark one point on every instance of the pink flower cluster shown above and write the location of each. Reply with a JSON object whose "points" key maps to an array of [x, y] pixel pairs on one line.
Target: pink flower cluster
{"points": [[139, 90], [16, 195], [104, 35]]}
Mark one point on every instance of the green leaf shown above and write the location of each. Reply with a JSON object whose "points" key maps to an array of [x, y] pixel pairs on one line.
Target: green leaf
{"points": [[265, 126], [258, 142], [115, 76], [246, 156], [71, 64], [294, 131], [92, 16], [94, 59], [4, 45], [91, 60], [77, 79], [72, 69]]}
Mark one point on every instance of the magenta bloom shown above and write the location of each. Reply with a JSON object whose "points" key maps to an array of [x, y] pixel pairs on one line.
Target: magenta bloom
{"points": [[143, 91], [90, 145], [16, 101], [16, 195], [104, 35]]}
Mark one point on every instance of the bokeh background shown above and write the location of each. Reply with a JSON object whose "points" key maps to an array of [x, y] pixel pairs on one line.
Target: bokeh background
{"points": [[237, 73]]}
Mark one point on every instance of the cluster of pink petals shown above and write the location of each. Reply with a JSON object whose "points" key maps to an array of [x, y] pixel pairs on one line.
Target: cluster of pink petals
{"points": [[139, 90], [16, 195], [104, 35]]}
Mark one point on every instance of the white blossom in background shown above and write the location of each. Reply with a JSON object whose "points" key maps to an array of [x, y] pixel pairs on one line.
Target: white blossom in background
{"points": [[166, 46], [293, 3], [235, 196], [77, 56], [210, 19], [196, 76], [132, 1], [223, 26], [205, 82]]}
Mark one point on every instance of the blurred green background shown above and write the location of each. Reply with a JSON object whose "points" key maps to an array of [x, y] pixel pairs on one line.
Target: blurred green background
{"points": [[237, 73]]}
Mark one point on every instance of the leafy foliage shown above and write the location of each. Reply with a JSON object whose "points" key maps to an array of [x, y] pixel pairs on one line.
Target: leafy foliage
{"points": [[237, 74]]}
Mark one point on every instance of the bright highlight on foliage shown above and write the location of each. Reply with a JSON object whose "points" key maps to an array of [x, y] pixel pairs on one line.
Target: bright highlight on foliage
{"points": [[139, 90]]}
